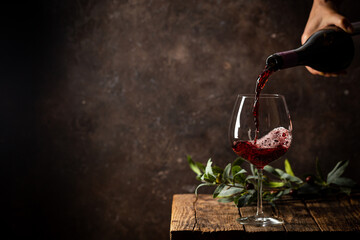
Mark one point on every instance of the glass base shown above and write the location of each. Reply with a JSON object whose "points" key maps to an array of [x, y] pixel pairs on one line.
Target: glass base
{"points": [[260, 221]]}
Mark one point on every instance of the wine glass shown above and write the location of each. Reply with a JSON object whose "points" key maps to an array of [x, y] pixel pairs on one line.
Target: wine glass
{"points": [[260, 137]]}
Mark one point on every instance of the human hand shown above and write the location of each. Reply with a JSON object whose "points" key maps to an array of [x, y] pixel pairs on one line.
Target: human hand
{"points": [[324, 13]]}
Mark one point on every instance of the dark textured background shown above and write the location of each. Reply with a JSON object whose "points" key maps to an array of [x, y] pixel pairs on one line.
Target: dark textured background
{"points": [[102, 100]]}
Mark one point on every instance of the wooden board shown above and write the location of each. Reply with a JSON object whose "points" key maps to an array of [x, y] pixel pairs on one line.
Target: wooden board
{"points": [[183, 213], [205, 218]]}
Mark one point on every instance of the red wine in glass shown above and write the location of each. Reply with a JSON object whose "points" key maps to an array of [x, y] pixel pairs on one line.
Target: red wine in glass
{"points": [[262, 141], [266, 149]]}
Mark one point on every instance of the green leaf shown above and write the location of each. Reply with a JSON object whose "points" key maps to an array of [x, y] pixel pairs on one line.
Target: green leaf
{"points": [[238, 174], [194, 166], [227, 173], [230, 191], [344, 182], [337, 171], [235, 169], [202, 185], [292, 179], [242, 171], [208, 178], [217, 170], [271, 170], [288, 169], [238, 185], [274, 184], [251, 177], [218, 190], [271, 197], [208, 168], [282, 175], [209, 175], [244, 200], [287, 191], [200, 166], [278, 195], [226, 199]]}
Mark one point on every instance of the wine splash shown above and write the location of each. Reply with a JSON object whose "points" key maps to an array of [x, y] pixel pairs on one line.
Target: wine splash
{"points": [[266, 149]]}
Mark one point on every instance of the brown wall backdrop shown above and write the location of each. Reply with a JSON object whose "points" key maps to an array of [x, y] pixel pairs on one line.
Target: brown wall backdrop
{"points": [[101, 101]]}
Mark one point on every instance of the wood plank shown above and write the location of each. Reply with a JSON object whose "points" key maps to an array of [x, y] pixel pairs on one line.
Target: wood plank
{"points": [[182, 214], [296, 216], [352, 208], [213, 216], [211, 220], [335, 215]]}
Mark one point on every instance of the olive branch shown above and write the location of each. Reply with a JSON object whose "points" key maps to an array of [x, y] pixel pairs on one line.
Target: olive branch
{"points": [[235, 184]]}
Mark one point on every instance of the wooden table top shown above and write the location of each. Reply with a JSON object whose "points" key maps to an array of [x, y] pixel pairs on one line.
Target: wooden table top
{"points": [[208, 219]]}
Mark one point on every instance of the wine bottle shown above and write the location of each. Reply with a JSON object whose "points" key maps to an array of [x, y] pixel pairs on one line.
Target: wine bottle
{"points": [[328, 50]]}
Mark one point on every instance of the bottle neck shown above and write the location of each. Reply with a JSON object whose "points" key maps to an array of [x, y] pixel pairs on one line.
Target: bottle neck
{"points": [[282, 60], [290, 58], [356, 26]]}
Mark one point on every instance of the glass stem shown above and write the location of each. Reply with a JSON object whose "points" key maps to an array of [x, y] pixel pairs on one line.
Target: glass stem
{"points": [[259, 208]]}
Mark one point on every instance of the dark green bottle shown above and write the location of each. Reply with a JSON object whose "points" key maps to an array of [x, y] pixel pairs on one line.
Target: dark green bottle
{"points": [[327, 50]]}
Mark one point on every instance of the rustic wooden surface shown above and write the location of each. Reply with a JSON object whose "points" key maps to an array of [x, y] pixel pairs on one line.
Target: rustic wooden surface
{"points": [[208, 219]]}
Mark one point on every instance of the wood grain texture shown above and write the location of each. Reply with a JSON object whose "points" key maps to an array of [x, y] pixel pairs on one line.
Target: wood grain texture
{"points": [[213, 216], [206, 218], [183, 214], [336, 215], [296, 216], [203, 218]]}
